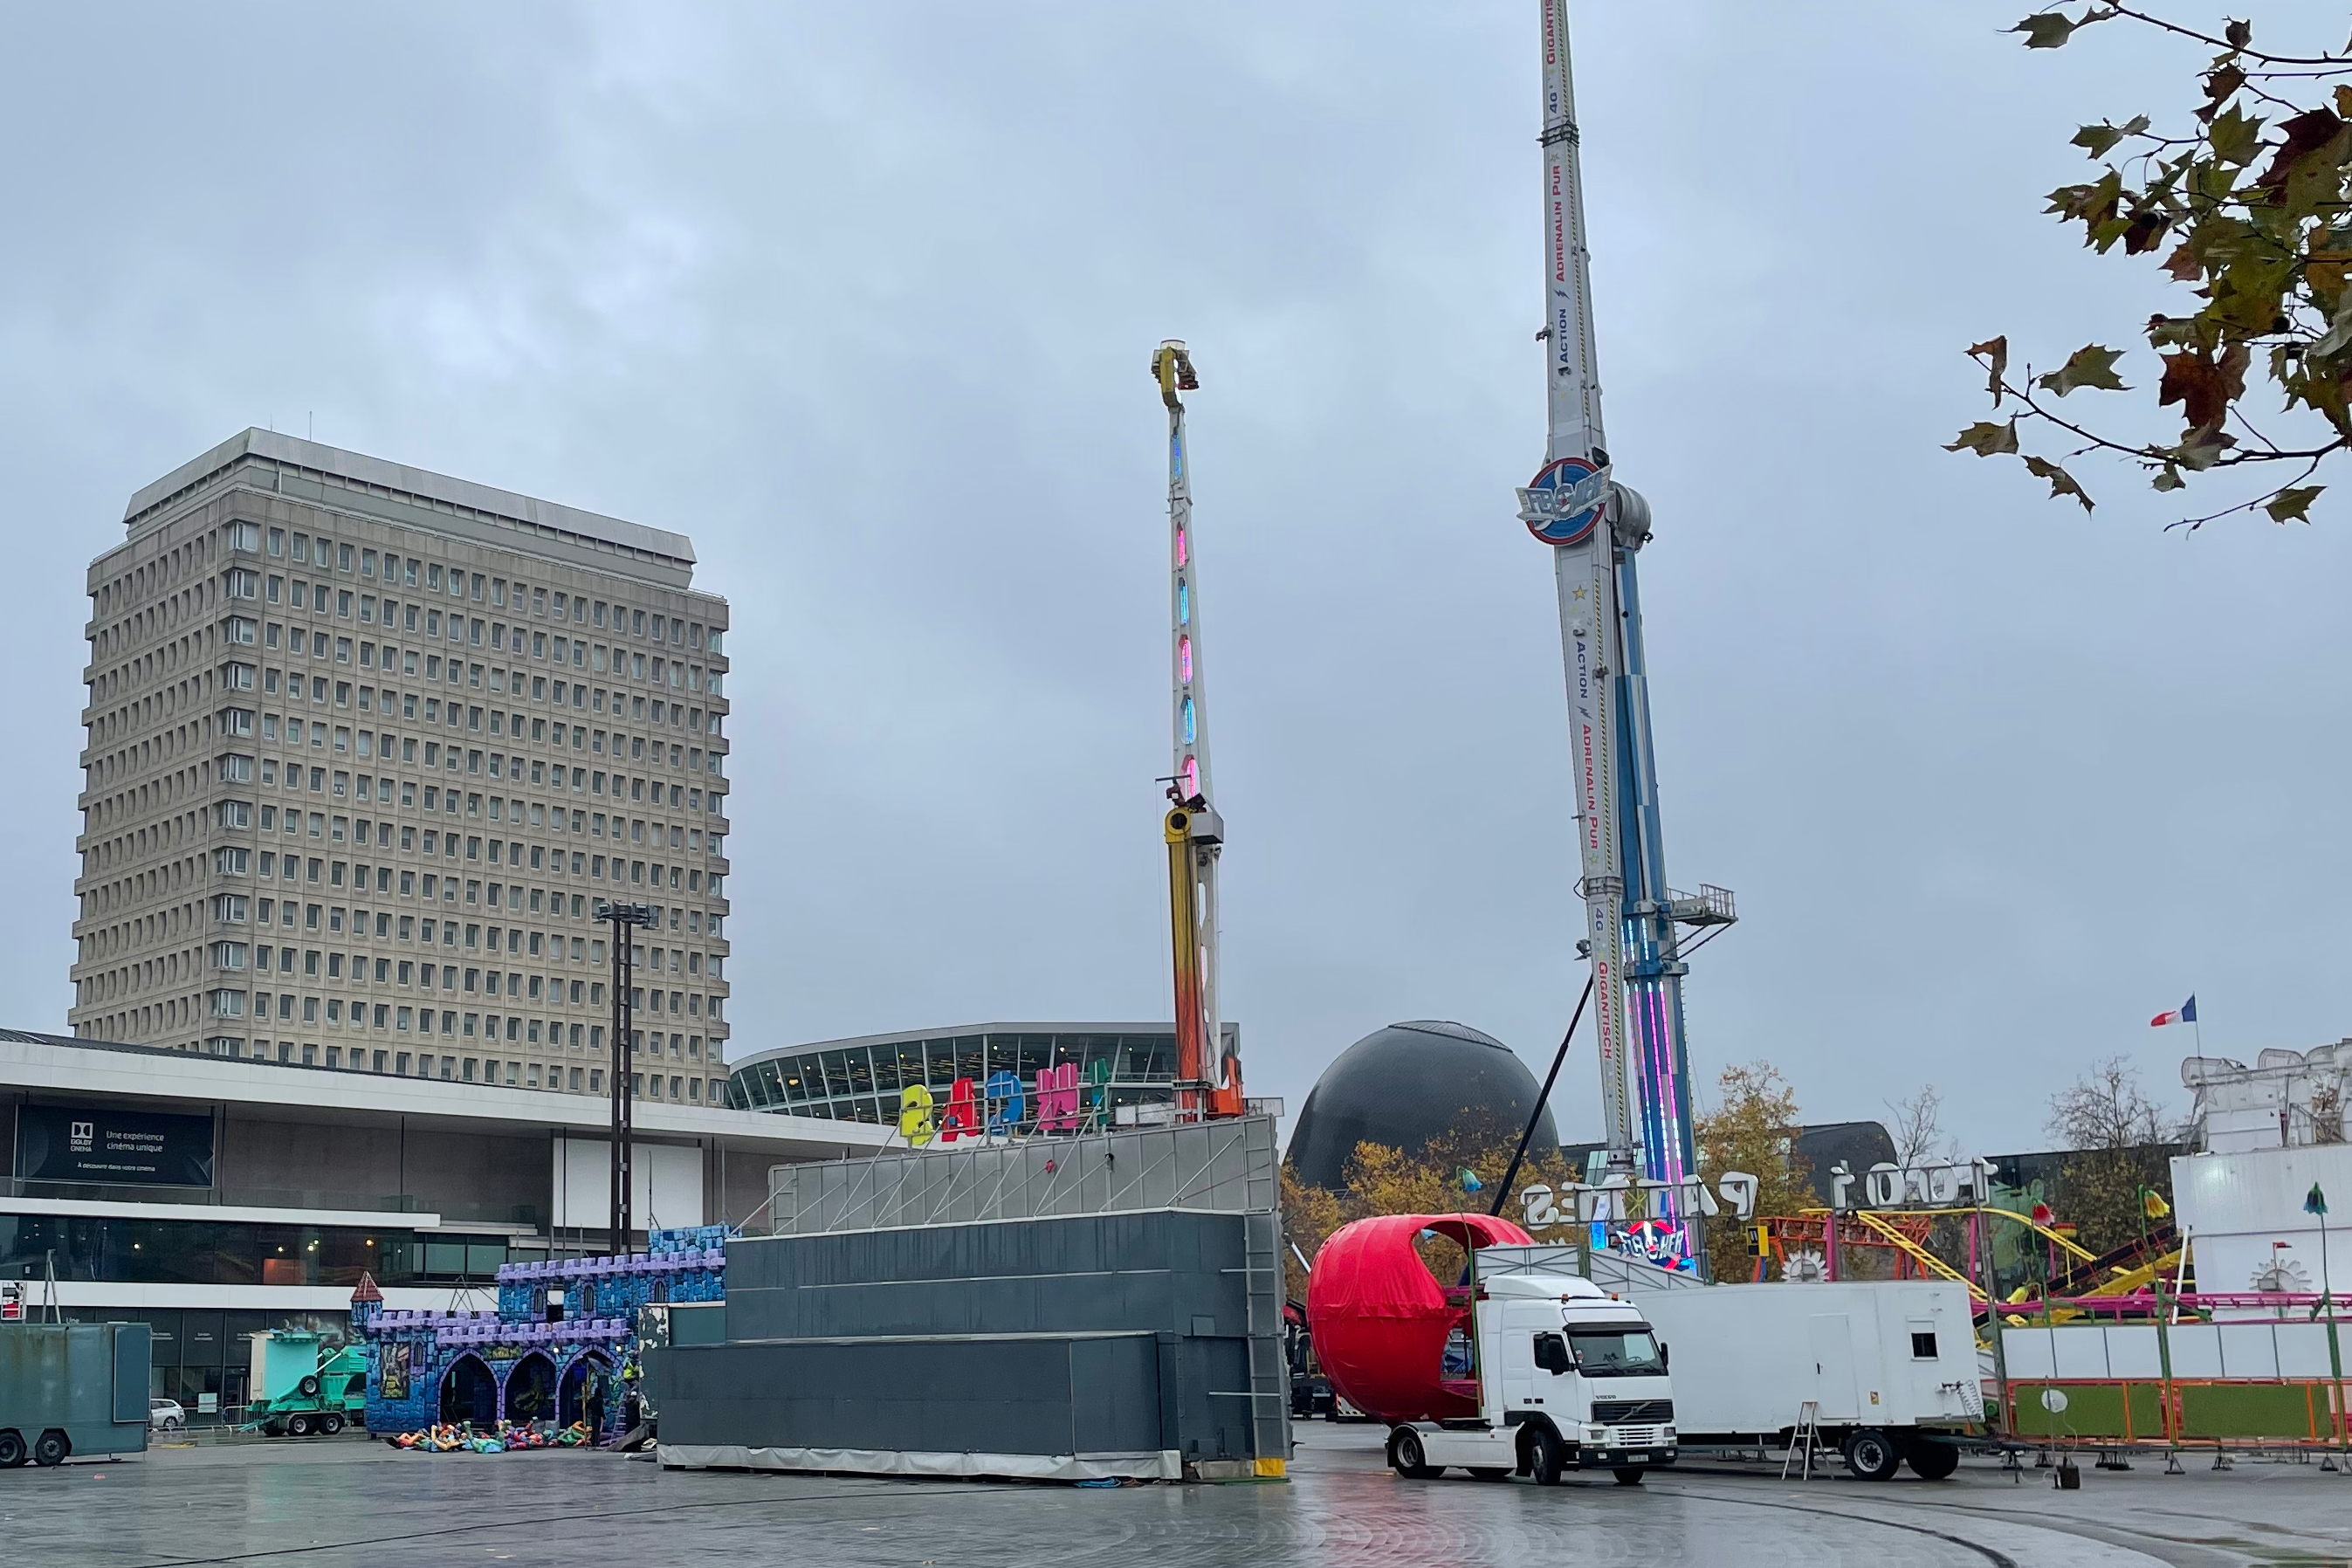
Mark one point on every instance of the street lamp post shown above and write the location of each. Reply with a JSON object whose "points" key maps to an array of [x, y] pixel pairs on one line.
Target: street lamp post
{"points": [[625, 918], [2316, 1203]]}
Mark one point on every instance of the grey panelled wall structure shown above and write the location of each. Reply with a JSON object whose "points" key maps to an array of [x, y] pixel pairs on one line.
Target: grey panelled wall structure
{"points": [[365, 744], [1060, 1307], [1085, 1404], [1215, 1167]]}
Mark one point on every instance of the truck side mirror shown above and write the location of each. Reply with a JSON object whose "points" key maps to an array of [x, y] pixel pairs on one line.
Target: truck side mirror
{"points": [[1665, 1355], [1551, 1354]]}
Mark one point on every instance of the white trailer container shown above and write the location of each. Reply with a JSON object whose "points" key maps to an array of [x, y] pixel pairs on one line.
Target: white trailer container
{"points": [[1889, 1368]]}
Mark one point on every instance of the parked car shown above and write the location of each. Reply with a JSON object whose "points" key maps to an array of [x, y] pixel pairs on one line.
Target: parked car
{"points": [[166, 1415]]}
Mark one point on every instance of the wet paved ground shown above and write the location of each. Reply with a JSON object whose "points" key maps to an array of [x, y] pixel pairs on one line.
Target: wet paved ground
{"points": [[342, 1503]]}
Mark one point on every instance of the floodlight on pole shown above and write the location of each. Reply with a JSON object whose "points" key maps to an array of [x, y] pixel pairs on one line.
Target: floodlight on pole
{"points": [[623, 917]]}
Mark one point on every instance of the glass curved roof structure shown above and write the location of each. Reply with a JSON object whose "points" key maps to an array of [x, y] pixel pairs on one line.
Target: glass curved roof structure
{"points": [[859, 1079]]}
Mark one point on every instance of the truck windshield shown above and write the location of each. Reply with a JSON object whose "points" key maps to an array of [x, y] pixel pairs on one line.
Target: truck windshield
{"points": [[1615, 1353]]}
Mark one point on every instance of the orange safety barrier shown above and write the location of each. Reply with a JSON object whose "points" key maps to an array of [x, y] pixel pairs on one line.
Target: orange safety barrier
{"points": [[2103, 1413]]}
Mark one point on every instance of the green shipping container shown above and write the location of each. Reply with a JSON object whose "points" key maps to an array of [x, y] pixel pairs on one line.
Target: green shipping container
{"points": [[71, 1388]]}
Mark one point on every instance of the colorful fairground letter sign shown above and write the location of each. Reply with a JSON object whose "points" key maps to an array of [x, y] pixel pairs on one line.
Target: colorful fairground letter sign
{"points": [[1930, 1184], [998, 1107], [1612, 1201]]}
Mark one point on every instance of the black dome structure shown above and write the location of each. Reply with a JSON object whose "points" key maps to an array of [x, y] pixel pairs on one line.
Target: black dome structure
{"points": [[1406, 1084]]}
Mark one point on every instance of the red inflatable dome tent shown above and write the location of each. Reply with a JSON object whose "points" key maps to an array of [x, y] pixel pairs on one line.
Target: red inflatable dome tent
{"points": [[1380, 1319]]}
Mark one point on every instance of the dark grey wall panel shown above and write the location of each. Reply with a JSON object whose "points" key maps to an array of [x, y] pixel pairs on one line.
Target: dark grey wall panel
{"points": [[1205, 1285], [1092, 1273], [1046, 1395]]}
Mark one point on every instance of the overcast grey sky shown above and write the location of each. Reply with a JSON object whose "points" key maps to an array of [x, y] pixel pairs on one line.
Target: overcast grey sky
{"points": [[861, 298]]}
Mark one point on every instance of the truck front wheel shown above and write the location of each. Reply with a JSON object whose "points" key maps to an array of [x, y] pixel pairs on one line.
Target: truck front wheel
{"points": [[1629, 1476], [1546, 1456], [1932, 1458], [1407, 1458], [1872, 1455]]}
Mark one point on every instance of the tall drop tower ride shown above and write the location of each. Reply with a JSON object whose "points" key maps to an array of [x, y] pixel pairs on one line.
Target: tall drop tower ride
{"points": [[1596, 528], [1208, 1081]]}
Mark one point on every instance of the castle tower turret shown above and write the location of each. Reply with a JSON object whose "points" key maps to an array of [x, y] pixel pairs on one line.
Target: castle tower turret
{"points": [[367, 1305]]}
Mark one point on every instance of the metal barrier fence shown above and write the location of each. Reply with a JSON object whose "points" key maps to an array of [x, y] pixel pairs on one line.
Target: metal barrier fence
{"points": [[2198, 1412]]}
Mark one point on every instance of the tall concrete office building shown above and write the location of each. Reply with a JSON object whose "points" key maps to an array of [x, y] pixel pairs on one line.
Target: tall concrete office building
{"points": [[366, 744]]}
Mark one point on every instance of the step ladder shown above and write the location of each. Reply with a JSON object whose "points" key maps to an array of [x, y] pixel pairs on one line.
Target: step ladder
{"points": [[1806, 1440]]}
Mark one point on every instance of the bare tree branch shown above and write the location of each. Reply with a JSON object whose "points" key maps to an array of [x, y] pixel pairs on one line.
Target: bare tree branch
{"points": [[2244, 50]]}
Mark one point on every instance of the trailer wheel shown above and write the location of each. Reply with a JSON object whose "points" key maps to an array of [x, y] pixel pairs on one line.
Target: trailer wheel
{"points": [[1932, 1458], [12, 1449], [1872, 1455], [1407, 1458], [51, 1448], [307, 1388], [1630, 1475], [1546, 1458], [298, 1425], [332, 1423]]}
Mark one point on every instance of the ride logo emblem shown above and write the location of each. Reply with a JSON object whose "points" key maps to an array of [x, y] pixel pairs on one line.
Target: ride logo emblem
{"points": [[1563, 503], [1655, 1241]]}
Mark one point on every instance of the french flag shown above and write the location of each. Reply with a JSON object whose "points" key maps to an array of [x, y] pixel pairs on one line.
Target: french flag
{"points": [[2184, 1013]]}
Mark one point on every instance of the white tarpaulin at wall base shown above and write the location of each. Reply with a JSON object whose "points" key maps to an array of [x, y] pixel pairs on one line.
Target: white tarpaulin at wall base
{"points": [[666, 1189], [1164, 1464]]}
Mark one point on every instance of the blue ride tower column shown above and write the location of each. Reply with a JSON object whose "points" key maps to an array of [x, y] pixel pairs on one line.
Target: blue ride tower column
{"points": [[1653, 970]]}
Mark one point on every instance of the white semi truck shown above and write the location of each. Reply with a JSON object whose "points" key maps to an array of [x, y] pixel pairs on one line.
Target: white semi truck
{"points": [[1573, 1373], [1569, 1377]]}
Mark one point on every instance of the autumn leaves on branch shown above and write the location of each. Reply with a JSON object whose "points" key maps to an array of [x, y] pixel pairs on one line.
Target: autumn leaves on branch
{"points": [[2251, 210]]}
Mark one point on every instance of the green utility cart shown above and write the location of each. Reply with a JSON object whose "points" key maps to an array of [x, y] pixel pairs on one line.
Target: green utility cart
{"points": [[304, 1385]]}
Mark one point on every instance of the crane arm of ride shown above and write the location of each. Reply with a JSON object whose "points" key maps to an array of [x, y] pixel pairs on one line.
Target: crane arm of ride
{"points": [[1595, 527], [1208, 1078], [1563, 507]]}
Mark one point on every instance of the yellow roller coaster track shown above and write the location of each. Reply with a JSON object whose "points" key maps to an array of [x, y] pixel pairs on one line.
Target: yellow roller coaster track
{"points": [[2081, 1255], [1879, 1224], [1872, 1220], [2122, 1283]]}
